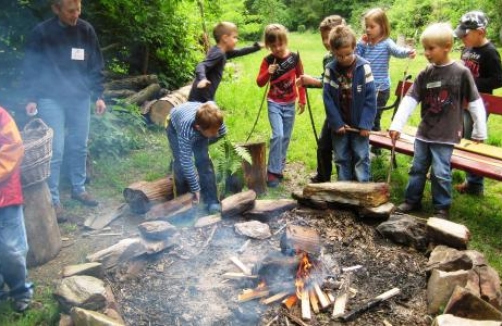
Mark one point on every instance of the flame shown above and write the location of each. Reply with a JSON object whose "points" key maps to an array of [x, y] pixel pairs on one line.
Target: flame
{"points": [[303, 274]]}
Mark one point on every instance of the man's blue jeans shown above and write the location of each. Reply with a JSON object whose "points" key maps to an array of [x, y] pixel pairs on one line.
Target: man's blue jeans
{"points": [[70, 120], [203, 164], [352, 157], [438, 157], [13, 249], [282, 119]]}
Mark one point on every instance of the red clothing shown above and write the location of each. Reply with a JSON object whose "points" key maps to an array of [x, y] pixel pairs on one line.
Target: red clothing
{"points": [[11, 155], [282, 81]]}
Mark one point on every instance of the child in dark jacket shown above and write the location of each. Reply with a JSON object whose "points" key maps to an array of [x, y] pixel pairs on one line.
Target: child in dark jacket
{"points": [[350, 102]]}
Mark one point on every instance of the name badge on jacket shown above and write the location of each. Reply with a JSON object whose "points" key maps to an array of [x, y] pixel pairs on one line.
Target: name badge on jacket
{"points": [[77, 54]]}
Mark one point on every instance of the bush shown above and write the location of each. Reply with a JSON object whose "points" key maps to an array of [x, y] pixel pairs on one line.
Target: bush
{"points": [[301, 29]]}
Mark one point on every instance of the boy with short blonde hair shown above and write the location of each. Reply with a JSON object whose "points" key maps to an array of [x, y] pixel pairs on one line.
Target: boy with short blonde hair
{"points": [[192, 127], [208, 73], [483, 60], [442, 88]]}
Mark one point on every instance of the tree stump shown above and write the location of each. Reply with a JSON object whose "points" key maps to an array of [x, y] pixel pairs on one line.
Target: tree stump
{"points": [[255, 175], [141, 194], [44, 237]]}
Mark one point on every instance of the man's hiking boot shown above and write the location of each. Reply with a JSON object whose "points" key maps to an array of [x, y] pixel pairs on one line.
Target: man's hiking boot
{"points": [[406, 207], [85, 198]]}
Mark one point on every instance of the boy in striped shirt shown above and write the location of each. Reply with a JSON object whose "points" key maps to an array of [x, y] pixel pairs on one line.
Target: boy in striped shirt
{"points": [[192, 127]]}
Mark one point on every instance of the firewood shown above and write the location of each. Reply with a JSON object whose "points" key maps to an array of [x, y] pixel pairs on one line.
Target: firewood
{"points": [[323, 300], [143, 95], [243, 247], [140, 194], [313, 301], [238, 203], [339, 306], [170, 208], [351, 268], [295, 319], [275, 297], [246, 270], [330, 296], [272, 320], [238, 276], [306, 314], [351, 193], [370, 304], [290, 301], [255, 174], [250, 294]]}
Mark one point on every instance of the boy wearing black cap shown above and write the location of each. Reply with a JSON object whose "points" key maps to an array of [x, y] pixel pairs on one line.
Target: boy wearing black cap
{"points": [[483, 60]]}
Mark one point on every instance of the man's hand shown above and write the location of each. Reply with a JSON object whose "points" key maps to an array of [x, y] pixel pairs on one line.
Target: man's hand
{"points": [[394, 135], [364, 133], [100, 107], [412, 54], [196, 197], [272, 68], [31, 108], [341, 131], [203, 83], [301, 108]]}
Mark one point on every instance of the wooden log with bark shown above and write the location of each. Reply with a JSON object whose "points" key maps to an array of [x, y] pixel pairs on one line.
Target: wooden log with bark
{"points": [[134, 83], [238, 203], [140, 195], [266, 209], [143, 95], [158, 110], [255, 174], [171, 207], [370, 194]]}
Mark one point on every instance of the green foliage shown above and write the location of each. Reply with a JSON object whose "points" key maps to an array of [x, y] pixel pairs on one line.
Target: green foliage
{"points": [[116, 132], [301, 29], [227, 159]]}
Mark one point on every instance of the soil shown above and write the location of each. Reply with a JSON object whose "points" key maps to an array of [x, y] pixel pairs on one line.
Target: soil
{"points": [[184, 285]]}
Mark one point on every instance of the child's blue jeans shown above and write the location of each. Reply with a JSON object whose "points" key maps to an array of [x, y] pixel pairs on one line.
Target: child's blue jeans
{"points": [[352, 157], [438, 157], [474, 181], [282, 118], [13, 249]]}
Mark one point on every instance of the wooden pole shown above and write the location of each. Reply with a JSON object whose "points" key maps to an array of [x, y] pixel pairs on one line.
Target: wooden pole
{"points": [[255, 174]]}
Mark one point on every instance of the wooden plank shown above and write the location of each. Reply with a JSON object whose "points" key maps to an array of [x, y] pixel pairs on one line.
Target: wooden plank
{"points": [[339, 306], [238, 276], [493, 103], [249, 294], [246, 270], [313, 301], [274, 298], [306, 314], [322, 297]]}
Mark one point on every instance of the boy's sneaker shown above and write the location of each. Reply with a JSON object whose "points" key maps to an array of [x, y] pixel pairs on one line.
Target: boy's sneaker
{"points": [[21, 305], [465, 188], [406, 207], [214, 208], [273, 180], [85, 198]]}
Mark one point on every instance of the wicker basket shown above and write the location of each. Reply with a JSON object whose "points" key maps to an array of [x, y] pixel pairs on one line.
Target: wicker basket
{"points": [[37, 139]]}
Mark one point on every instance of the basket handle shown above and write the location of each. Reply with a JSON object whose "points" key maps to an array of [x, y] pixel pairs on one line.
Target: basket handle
{"points": [[34, 124]]}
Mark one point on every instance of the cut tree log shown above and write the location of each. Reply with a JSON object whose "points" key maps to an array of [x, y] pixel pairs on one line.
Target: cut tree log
{"points": [[266, 209], [255, 174], [140, 194], [158, 110], [134, 83], [143, 95], [448, 233], [349, 193], [238, 203], [299, 238], [171, 208]]}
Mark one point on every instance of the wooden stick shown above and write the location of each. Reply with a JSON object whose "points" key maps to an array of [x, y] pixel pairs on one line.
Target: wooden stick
{"points": [[370, 304], [351, 268], [243, 247], [322, 297], [339, 306], [238, 276], [294, 318], [306, 315], [330, 296], [246, 270], [274, 298], [313, 301], [249, 294], [272, 320]]}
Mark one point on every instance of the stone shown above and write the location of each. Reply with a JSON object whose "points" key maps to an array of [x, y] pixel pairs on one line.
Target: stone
{"points": [[440, 288], [266, 209], [253, 229], [464, 303], [380, 212], [450, 320], [83, 317], [448, 259], [65, 320], [449, 233], [156, 230], [89, 269], [489, 283], [405, 230], [81, 291]]}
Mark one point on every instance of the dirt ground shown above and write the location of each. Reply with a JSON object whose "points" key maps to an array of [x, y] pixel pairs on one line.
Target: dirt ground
{"points": [[184, 285]]}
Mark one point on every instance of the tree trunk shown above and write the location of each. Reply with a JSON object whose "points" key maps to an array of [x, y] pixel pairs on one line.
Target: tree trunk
{"points": [[140, 194], [143, 95], [160, 109], [255, 174], [42, 230], [238, 203], [134, 83], [351, 193]]}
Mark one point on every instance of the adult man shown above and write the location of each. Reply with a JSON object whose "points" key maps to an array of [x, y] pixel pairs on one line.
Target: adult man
{"points": [[63, 70], [13, 242]]}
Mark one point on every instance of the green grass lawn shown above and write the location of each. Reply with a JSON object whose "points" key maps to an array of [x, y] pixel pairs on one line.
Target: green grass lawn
{"points": [[239, 96]]}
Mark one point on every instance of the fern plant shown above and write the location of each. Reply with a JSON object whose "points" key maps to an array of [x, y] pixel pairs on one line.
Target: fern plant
{"points": [[227, 159]]}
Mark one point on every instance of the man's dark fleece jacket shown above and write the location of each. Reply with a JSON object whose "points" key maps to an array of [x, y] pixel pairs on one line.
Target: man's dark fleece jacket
{"points": [[55, 66]]}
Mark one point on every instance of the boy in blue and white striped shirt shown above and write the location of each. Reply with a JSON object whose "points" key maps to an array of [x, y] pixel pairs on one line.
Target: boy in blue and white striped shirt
{"points": [[192, 127]]}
